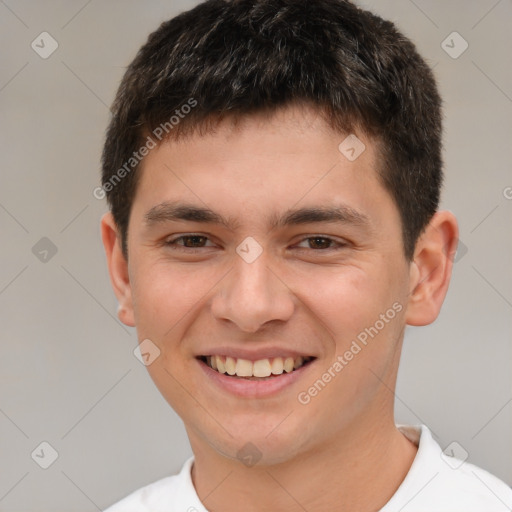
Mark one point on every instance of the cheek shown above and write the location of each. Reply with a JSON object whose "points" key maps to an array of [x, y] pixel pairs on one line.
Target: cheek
{"points": [[345, 300], [165, 295], [364, 318], [362, 312]]}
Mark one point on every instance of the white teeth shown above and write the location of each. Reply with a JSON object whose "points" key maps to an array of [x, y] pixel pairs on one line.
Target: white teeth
{"points": [[277, 366], [230, 366], [221, 368], [260, 368], [288, 364], [243, 368]]}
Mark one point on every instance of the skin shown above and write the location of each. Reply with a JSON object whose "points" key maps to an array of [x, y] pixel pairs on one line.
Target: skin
{"points": [[341, 451]]}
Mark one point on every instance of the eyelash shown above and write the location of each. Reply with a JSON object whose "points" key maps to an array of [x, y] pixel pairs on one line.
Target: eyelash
{"points": [[172, 243]]}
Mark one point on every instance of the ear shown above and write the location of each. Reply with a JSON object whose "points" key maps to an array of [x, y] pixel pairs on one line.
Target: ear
{"points": [[431, 268], [118, 269]]}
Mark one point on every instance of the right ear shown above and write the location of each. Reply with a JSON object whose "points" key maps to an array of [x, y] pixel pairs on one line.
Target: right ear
{"points": [[118, 269]]}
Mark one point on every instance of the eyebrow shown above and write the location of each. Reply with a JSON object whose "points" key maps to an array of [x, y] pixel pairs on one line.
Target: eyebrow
{"points": [[179, 211]]}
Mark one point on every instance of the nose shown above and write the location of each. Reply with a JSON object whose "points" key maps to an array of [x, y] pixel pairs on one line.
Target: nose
{"points": [[252, 295]]}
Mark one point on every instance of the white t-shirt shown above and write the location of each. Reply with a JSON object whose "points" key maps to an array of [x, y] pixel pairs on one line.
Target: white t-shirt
{"points": [[434, 483]]}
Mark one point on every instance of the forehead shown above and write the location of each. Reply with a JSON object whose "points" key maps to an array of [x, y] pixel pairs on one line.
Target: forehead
{"points": [[291, 158]]}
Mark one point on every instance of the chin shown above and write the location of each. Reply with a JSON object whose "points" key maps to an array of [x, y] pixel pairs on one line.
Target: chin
{"points": [[255, 446]]}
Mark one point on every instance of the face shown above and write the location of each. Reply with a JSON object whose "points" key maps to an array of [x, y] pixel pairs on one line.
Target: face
{"points": [[259, 247]]}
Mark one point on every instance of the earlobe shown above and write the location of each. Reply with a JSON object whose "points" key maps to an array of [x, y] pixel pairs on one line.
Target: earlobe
{"points": [[118, 269], [431, 269]]}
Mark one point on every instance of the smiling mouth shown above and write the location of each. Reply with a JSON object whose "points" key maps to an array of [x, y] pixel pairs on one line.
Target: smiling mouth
{"points": [[255, 370]]}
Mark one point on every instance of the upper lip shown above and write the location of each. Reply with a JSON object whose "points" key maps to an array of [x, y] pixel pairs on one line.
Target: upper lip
{"points": [[255, 354]]}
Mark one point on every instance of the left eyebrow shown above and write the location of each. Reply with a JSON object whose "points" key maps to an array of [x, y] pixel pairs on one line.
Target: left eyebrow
{"points": [[179, 211], [342, 214]]}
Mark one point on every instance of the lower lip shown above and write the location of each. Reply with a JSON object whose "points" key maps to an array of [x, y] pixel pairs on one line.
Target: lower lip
{"points": [[253, 388]]}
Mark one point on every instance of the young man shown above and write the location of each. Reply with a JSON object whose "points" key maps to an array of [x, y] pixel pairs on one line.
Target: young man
{"points": [[273, 170]]}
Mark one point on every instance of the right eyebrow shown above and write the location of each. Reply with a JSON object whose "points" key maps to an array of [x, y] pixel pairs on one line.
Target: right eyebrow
{"points": [[176, 211]]}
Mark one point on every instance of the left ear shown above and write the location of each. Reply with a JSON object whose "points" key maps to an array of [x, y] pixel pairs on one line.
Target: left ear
{"points": [[431, 268]]}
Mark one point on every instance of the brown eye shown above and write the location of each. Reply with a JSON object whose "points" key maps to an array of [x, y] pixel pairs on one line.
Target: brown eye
{"points": [[319, 242], [188, 242], [194, 241]]}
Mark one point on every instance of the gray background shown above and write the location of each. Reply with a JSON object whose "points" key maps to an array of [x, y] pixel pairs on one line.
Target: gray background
{"points": [[68, 373]]}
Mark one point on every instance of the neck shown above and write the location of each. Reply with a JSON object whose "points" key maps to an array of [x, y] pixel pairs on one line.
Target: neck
{"points": [[357, 469]]}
